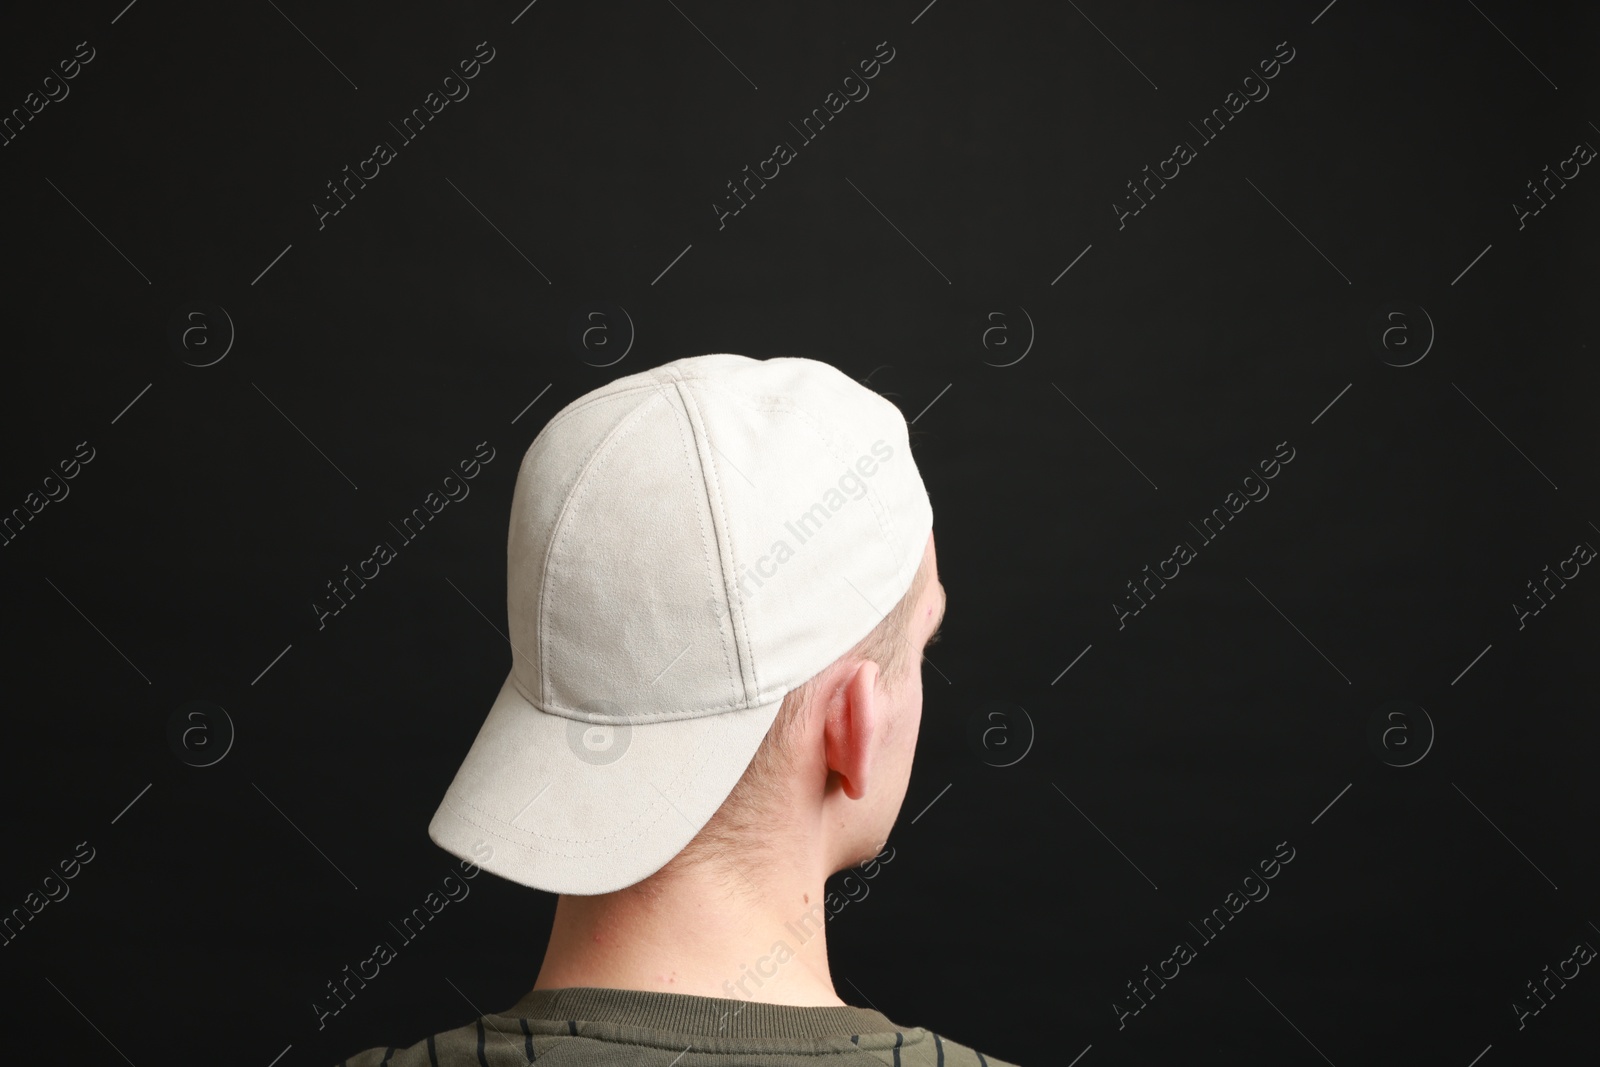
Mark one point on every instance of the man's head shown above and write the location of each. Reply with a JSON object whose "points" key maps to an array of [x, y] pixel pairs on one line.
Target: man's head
{"points": [[839, 753], [700, 564]]}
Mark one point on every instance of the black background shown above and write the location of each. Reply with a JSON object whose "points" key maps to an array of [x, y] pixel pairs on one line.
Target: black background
{"points": [[1175, 353]]}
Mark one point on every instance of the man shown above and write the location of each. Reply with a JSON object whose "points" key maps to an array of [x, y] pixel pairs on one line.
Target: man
{"points": [[721, 580]]}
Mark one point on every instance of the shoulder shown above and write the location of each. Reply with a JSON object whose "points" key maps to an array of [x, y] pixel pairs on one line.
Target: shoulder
{"points": [[463, 1045], [941, 1050]]}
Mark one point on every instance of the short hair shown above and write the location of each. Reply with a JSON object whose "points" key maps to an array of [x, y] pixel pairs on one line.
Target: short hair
{"points": [[755, 803]]}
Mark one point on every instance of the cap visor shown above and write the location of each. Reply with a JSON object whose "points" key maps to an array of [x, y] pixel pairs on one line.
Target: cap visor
{"points": [[572, 807]]}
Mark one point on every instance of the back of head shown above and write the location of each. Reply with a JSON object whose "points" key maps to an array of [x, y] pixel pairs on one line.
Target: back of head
{"points": [[690, 547]]}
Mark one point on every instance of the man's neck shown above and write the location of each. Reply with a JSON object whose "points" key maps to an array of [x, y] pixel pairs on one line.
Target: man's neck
{"points": [[755, 932]]}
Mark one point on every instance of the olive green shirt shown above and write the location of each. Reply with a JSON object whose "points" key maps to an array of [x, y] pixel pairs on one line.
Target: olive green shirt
{"points": [[592, 1027]]}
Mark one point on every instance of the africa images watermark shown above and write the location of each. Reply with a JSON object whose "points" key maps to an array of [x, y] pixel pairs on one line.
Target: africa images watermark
{"points": [[383, 953], [55, 490], [783, 153], [455, 89], [806, 525], [1582, 153], [1184, 153], [1582, 554], [1582, 954], [1184, 553], [54, 890], [55, 90], [410, 528], [1183, 953], [804, 927]]}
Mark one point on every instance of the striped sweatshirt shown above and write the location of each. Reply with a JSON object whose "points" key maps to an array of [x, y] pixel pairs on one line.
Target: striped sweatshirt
{"points": [[592, 1027]]}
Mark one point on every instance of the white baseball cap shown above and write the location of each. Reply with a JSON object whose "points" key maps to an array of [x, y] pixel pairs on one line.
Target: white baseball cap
{"points": [[687, 545]]}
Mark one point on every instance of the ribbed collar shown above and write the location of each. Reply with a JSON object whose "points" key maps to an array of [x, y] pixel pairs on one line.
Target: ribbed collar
{"points": [[705, 1016]]}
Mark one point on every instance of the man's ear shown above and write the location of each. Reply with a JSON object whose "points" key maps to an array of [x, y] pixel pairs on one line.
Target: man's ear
{"points": [[850, 732]]}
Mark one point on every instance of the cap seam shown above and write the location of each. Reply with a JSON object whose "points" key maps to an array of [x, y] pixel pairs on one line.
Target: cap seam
{"points": [[745, 704], [588, 400], [713, 485], [680, 417]]}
